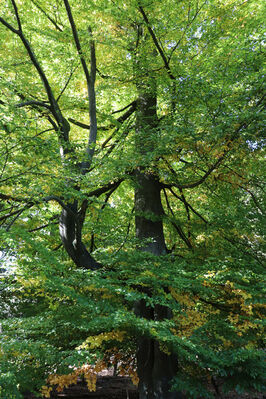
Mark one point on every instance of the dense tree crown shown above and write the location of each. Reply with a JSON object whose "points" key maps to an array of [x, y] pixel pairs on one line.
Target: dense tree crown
{"points": [[131, 198]]}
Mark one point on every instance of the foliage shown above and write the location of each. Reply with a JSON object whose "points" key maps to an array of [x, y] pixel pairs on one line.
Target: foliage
{"points": [[60, 321]]}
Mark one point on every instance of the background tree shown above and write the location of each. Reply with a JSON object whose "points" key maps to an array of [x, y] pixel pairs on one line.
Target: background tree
{"points": [[135, 130]]}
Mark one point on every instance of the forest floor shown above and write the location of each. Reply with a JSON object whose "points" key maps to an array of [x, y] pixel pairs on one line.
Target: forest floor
{"points": [[115, 387]]}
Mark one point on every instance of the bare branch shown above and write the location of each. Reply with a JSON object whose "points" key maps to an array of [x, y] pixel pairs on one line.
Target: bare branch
{"points": [[134, 103], [18, 211], [99, 191], [254, 199], [44, 225], [80, 124], [188, 205], [185, 30], [121, 119], [15, 218], [90, 78], [47, 16], [92, 104], [127, 232], [8, 26], [157, 45], [5, 161], [116, 142], [82, 213], [67, 83], [187, 211], [204, 177], [58, 247], [102, 75], [32, 102], [95, 193], [62, 122], [85, 126], [17, 16], [178, 228], [215, 166], [77, 42]]}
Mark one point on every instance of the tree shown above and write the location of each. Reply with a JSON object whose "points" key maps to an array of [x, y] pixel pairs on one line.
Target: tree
{"points": [[157, 199]]}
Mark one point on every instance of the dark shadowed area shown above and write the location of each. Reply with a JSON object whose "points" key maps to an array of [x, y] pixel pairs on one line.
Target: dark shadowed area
{"points": [[114, 387]]}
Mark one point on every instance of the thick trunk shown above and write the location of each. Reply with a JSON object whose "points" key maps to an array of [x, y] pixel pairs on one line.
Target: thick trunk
{"points": [[149, 213], [156, 369]]}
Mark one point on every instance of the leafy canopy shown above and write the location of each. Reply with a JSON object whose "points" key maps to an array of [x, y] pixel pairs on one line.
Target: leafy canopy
{"points": [[206, 61]]}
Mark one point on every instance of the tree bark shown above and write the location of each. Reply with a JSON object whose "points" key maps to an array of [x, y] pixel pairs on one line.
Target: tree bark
{"points": [[70, 227], [155, 368]]}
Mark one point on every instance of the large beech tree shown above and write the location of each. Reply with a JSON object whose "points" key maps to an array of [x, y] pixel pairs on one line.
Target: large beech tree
{"points": [[131, 194]]}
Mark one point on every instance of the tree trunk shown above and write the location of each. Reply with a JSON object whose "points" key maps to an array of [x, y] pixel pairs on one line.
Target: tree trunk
{"points": [[155, 368], [70, 227]]}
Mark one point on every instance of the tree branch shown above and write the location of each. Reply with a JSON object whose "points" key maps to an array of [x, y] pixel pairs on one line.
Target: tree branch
{"points": [[17, 212], [104, 189], [47, 16], [82, 214], [90, 78], [33, 102], [93, 56], [60, 202], [95, 193], [62, 122], [157, 45], [32, 202], [11, 198], [189, 206], [254, 199], [178, 228], [43, 226], [8, 26], [185, 30], [204, 177], [17, 16], [67, 83], [119, 120], [127, 232], [134, 103]]}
